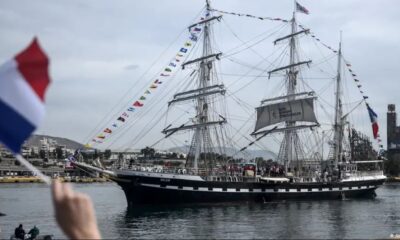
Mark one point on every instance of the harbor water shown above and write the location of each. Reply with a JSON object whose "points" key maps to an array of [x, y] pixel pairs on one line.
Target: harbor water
{"points": [[30, 204]]}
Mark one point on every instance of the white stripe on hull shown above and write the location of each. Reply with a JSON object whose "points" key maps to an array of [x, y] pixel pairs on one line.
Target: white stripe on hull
{"points": [[165, 176], [256, 190]]}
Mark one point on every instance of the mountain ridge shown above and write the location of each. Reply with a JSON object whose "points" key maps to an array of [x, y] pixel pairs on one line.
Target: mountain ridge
{"points": [[34, 140], [266, 154]]}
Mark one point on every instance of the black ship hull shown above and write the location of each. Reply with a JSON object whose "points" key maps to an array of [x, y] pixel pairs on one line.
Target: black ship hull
{"points": [[146, 188]]}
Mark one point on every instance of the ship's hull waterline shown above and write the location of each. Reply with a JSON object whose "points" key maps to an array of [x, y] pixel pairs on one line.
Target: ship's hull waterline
{"points": [[157, 188]]}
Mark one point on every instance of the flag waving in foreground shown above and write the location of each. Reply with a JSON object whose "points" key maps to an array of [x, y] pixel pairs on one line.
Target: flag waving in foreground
{"points": [[301, 9], [23, 83], [374, 121]]}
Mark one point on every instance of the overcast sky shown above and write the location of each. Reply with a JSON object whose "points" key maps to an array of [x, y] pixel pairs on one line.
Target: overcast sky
{"points": [[99, 49]]}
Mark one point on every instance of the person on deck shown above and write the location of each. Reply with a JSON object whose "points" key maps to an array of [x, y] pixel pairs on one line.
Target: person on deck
{"points": [[34, 232], [19, 232]]}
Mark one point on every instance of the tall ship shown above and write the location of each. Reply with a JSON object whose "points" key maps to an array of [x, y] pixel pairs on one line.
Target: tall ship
{"points": [[289, 116]]}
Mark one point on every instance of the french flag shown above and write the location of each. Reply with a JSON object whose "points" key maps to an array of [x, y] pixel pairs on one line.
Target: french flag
{"points": [[374, 121], [23, 83]]}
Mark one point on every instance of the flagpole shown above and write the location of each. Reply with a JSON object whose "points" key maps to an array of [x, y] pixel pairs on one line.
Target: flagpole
{"points": [[294, 9], [33, 169]]}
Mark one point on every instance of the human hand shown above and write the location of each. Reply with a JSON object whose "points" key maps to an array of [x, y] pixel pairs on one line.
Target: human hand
{"points": [[74, 212]]}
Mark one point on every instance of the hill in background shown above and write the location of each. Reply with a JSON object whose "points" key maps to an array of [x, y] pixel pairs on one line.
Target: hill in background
{"points": [[34, 141], [250, 154]]}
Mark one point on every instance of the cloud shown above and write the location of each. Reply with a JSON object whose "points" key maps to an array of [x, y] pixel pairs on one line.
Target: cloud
{"points": [[131, 67], [101, 51]]}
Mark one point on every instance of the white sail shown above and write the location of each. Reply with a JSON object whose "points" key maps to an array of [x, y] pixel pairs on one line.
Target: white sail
{"points": [[295, 110]]}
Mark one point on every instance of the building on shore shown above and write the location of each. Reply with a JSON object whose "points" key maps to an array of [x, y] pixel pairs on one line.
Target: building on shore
{"points": [[11, 167], [48, 155], [393, 134]]}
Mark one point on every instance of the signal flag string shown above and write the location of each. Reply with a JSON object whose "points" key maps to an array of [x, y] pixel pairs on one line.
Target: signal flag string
{"points": [[249, 16], [372, 114]]}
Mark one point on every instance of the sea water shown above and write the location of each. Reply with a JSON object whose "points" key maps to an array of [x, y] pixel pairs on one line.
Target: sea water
{"points": [[31, 204]]}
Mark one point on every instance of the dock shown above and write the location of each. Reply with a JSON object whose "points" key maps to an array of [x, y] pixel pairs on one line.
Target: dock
{"points": [[33, 179]]}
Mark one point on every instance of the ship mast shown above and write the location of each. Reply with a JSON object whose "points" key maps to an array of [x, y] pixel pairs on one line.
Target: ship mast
{"points": [[289, 109], [291, 145], [201, 136], [201, 143], [338, 126], [291, 89]]}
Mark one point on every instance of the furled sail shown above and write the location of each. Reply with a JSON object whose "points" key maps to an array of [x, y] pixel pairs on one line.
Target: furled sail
{"points": [[294, 110]]}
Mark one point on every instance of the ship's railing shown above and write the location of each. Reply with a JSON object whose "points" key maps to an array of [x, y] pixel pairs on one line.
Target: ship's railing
{"points": [[362, 174], [216, 174], [163, 169], [369, 173]]}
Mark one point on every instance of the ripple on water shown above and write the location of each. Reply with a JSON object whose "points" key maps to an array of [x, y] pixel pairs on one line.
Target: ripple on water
{"points": [[370, 218]]}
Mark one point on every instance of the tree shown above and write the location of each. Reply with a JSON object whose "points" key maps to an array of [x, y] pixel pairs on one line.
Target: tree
{"points": [[148, 152], [84, 155], [260, 161], [392, 167], [107, 154], [95, 154], [42, 154], [33, 155], [152, 152], [172, 155], [59, 153]]}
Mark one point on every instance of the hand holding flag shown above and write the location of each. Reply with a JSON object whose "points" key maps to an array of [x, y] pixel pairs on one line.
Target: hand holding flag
{"points": [[23, 83]]}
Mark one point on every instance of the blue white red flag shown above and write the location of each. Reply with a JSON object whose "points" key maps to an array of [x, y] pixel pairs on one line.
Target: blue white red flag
{"points": [[374, 121], [301, 9], [71, 158], [23, 83]]}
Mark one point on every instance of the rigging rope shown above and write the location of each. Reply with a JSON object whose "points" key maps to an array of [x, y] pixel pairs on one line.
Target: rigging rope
{"points": [[104, 120], [365, 97], [322, 43], [249, 16], [170, 68], [356, 81]]}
